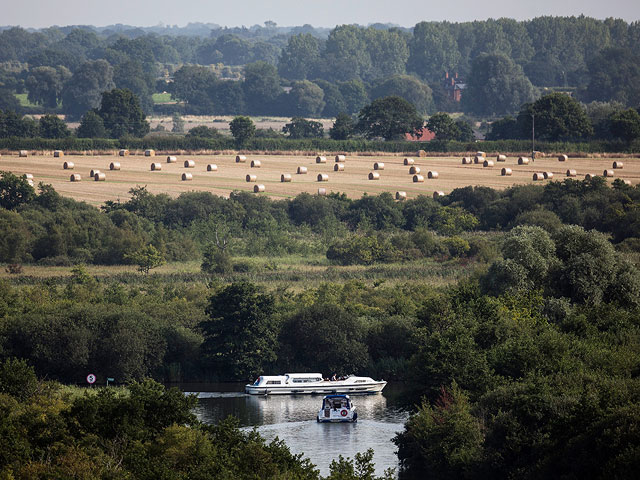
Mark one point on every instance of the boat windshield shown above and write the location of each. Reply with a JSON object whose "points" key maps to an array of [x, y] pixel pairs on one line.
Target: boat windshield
{"points": [[257, 382], [336, 403]]}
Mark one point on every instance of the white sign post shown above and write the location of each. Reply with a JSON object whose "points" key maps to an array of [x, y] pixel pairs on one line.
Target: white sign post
{"points": [[91, 379]]}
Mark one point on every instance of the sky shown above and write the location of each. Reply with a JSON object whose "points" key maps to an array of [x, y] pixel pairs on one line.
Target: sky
{"points": [[325, 13]]}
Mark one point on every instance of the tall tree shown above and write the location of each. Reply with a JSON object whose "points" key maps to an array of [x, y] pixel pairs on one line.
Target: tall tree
{"points": [[242, 129], [45, 85], [306, 99], [52, 126], [122, 115], [91, 126], [261, 87], [557, 116], [614, 74], [84, 90], [434, 50], [299, 56], [410, 88], [390, 118]]}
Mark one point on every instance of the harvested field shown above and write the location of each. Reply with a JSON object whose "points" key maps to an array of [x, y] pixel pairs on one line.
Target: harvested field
{"points": [[353, 181]]}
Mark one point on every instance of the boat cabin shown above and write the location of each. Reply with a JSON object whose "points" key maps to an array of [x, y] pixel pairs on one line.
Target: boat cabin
{"points": [[336, 402]]}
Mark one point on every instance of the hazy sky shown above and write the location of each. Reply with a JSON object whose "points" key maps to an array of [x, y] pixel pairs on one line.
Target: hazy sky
{"points": [[323, 13]]}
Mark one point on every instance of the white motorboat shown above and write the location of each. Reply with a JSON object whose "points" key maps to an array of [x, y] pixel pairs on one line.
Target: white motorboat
{"points": [[337, 408], [312, 383]]}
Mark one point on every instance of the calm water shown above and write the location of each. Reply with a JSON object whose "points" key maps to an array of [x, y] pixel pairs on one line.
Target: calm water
{"points": [[293, 420]]}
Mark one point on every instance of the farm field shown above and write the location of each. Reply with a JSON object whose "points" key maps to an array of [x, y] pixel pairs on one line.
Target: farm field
{"points": [[135, 171]]}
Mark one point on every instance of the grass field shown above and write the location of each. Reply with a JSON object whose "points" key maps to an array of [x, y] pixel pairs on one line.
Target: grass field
{"points": [[24, 101], [135, 170], [162, 98]]}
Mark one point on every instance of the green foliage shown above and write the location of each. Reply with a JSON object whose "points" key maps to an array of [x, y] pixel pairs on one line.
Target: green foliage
{"points": [[14, 191], [52, 126], [178, 123], [342, 128], [18, 379], [306, 99], [407, 87], [625, 125], [216, 260], [360, 250], [84, 90], [202, 131], [302, 128], [122, 115], [146, 258], [389, 118], [242, 129], [360, 468], [91, 126], [557, 117]]}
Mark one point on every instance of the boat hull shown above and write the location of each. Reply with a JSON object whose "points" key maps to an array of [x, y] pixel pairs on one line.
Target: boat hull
{"points": [[326, 388]]}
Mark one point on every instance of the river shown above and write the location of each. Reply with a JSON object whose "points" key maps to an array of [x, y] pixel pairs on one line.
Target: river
{"points": [[293, 420]]}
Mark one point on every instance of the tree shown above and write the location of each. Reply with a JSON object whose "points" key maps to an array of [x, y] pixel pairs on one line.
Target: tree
{"points": [[8, 101], [18, 379], [14, 125], [496, 86], [390, 118], [504, 128], [354, 94], [146, 258], [240, 335], [84, 90], [410, 88], [343, 127], [178, 123], [299, 57], [261, 87], [52, 126], [45, 85], [132, 76], [557, 117], [193, 84], [14, 191], [444, 127], [306, 98], [242, 129], [122, 115], [614, 74], [302, 128], [203, 131], [434, 50], [91, 126], [625, 125]]}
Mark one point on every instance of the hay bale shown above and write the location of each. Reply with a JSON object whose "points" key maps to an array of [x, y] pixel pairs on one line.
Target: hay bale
{"points": [[28, 176], [323, 177], [501, 158], [478, 159], [538, 176], [409, 161], [627, 182], [589, 176], [189, 164], [320, 159], [149, 153], [68, 165], [172, 159], [432, 174], [285, 177], [212, 167], [123, 152], [547, 175], [341, 158], [421, 153], [401, 196], [571, 173], [100, 177], [187, 177], [608, 173], [487, 163], [22, 153], [30, 182], [256, 163], [156, 166], [418, 179], [378, 166], [413, 170], [58, 153], [75, 177], [302, 171], [241, 159], [506, 172], [258, 188], [467, 161], [338, 167], [537, 154], [563, 158], [322, 191], [93, 172], [114, 166], [251, 178], [374, 176], [438, 194], [618, 165], [523, 161], [481, 154]]}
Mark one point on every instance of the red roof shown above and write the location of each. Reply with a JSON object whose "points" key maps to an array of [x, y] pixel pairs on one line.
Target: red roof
{"points": [[426, 136]]}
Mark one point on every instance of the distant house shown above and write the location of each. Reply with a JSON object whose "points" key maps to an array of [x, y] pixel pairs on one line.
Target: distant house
{"points": [[426, 136], [453, 86]]}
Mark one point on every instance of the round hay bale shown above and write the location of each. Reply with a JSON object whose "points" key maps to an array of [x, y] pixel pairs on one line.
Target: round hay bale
{"points": [[501, 158], [413, 170], [627, 182], [418, 179], [538, 176], [22, 153], [608, 173], [618, 165], [341, 158], [100, 177], [212, 167], [187, 177], [421, 153], [523, 161], [478, 159], [378, 166], [123, 152], [58, 153], [241, 159], [409, 161], [401, 196], [322, 191], [537, 154], [258, 188], [256, 163], [438, 194], [302, 171], [589, 176], [338, 167], [432, 174], [114, 166], [149, 153], [487, 163], [93, 172], [75, 177], [547, 175], [251, 178], [481, 154], [189, 164], [285, 177], [374, 176], [156, 166], [172, 159], [320, 159], [467, 160], [68, 165], [28, 176], [506, 172], [323, 177], [571, 173], [563, 158]]}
